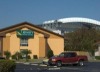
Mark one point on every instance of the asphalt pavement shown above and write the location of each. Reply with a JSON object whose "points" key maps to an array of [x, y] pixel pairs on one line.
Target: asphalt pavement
{"points": [[29, 67]]}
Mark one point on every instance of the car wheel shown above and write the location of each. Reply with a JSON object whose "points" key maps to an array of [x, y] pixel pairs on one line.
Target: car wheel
{"points": [[59, 63], [81, 63]]}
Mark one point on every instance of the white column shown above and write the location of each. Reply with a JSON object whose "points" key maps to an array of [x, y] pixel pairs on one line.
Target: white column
{"points": [[99, 50]]}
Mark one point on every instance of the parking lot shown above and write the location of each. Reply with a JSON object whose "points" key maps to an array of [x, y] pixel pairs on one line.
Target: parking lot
{"points": [[89, 67]]}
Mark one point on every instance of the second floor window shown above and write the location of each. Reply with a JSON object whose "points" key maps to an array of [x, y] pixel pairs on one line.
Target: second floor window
{"points": [[23, 41]]}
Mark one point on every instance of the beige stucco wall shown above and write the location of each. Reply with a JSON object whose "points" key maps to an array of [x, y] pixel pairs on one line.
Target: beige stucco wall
{"points": [[11, 43], [6, 43], [37, 45], [57, 45], [34, 45], [42, 46], [14, 43]]}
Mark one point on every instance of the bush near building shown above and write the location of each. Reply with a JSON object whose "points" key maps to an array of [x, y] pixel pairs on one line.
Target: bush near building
{"points": [[7, 66], [17, 56], [7, 54], [50, 53], [97, 57]]}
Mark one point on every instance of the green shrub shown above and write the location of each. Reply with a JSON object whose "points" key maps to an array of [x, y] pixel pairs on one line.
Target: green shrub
{"points": [[50, 53], [35, 57], [7, 54], [7, 66], [13, 56], [17, 56], [20, 57], [97, 57]]}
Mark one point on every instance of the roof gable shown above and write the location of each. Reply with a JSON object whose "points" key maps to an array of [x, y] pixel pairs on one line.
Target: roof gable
{"points": [[24, 24]]}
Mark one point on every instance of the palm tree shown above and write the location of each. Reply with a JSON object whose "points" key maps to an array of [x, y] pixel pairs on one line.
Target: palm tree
{"points": [[7, 54], [26, 52], [17, 54]]}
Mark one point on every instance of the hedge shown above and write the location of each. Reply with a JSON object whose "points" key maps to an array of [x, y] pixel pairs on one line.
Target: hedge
{"points": [[97, 57], [7, 66]]}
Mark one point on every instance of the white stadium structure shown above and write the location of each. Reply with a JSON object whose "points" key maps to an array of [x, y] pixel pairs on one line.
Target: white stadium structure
{"points": [[64, 25]]}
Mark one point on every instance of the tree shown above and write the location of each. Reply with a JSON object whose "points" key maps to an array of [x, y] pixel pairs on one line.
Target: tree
{"points": [[7, 54], [82, 40], [50, 53], [17, 56], [26, 52]]}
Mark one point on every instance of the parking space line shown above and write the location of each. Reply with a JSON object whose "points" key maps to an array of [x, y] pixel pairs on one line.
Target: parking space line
{"points": [[70, 68], [34, 64], [54, 68], [26, 63], [42, 65]]}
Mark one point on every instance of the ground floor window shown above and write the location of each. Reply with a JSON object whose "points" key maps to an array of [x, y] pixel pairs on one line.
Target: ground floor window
{"points": [[21, 51]]}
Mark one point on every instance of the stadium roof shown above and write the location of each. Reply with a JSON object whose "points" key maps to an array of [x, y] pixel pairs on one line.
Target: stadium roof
{"points": [[74, 19]]}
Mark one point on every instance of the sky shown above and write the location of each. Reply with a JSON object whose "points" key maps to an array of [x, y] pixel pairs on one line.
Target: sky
{"points": [[37, 11]]}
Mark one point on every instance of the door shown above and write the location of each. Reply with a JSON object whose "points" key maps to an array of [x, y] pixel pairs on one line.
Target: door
{"points": [[70, 57]]}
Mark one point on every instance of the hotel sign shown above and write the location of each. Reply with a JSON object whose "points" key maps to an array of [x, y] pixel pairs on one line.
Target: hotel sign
{"points": [[25, 33]]}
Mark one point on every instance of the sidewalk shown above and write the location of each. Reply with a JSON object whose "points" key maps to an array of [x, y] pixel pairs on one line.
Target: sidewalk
{"points": [[35, 62], [31, 61], [94, 60]]}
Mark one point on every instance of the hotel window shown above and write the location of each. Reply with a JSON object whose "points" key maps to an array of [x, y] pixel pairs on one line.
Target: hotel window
{"points": [[23, 41]]}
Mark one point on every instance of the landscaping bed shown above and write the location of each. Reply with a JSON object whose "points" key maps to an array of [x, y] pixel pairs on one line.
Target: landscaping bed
{"points": [[7, 66]]}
